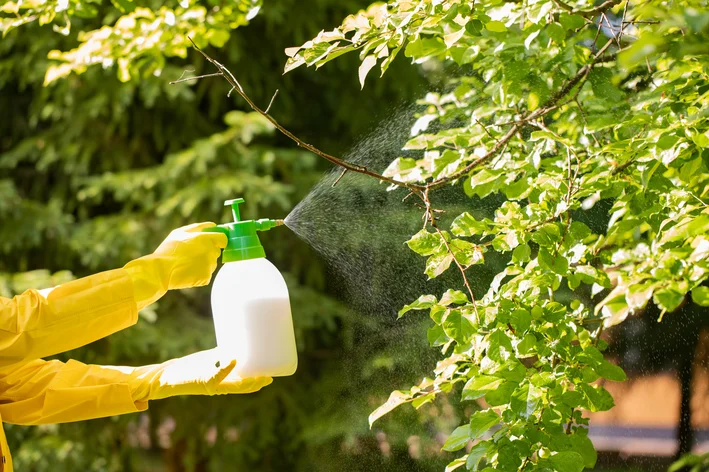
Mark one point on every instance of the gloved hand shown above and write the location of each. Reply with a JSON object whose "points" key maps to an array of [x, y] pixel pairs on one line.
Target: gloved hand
{"points": [[185, 259], [201, 373]]}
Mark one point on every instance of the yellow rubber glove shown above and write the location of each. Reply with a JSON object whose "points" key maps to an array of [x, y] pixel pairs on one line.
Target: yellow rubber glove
{"points": [[185, 259], [201, 373], [45, 392]]}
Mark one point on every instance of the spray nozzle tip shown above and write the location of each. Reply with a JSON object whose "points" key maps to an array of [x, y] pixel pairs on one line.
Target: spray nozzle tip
{"points": [[265, 224]]}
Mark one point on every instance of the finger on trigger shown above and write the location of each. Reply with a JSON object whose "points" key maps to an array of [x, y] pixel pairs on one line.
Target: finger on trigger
{"points": [[224, 371], [218, 239]]}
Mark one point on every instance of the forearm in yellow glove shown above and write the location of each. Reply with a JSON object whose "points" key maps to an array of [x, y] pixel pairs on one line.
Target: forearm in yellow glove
{"points": [[187, 258], [42, 392]]}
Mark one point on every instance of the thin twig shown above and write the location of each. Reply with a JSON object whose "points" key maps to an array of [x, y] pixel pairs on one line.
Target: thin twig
{"points": [[485, 129], [585, 121], [184, 72], [229, 77], [564, 5], [571, 422], [598, 31], [344, 171], [600, 8], [430, 215], [623, 166], [586, 13], [461, 269], [271, 103], [480, 160], [641, 22], [216, 74]]}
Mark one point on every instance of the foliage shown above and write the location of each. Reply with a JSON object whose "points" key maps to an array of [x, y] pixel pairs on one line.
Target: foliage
{"points": [[691, 463], [559, 107]]}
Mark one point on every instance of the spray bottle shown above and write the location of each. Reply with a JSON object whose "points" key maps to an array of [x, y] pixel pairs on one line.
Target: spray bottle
{"points": [[250, 304]]}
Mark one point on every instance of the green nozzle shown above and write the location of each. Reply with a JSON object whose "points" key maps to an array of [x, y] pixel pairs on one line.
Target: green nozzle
{"points": [[243, 242]]}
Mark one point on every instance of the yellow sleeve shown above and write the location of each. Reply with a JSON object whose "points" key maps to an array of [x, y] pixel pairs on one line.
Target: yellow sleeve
{"points": [[40, 323], [48, 392]]}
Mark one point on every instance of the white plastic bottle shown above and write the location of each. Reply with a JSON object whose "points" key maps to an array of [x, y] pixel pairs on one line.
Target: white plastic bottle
{"points": [[250, 304]]}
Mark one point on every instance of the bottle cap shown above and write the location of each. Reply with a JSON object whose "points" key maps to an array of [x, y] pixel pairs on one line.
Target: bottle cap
{"points": [[243, 243]]}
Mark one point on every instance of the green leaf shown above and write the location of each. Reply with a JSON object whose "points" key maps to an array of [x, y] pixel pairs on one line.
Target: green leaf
{"points": [[481, 422], [496, 26], [547, 235], [436, 336], [124, 6], [567, 461], [477, 452], [402, 168], [451, 38], [502, 394], [597, 398], [647, 46], [556, 32], [437, 264], [579, 231], [602, 85], [520, 320], [367, 64], [467, 253], [458, 439], [525, 400], [479, 385], [474, 27], [610, 371], [522, 253], [425, 243], [455, 464], [700, 139], [453, 297], [700, 296], [466, 225], [527, 344], [583, 445], [482, 183], [668, 298], [424, 47], [555, 263], [396, 398], [457, 327], [424, 302], [571, 21], [419, 401], [500, 347]]}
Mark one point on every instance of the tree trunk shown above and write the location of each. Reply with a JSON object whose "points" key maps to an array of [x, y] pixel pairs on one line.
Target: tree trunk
{"points": [[685, 433], [685, 371]]}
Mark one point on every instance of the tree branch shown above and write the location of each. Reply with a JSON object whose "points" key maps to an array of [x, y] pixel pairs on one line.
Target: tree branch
{"points": [[229, 77], [550, 105], [600, 8], [586, 13], [480, 160], [417, 189]]}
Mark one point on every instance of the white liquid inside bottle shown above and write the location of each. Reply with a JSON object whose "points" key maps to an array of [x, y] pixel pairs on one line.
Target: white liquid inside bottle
{"points": [[252, 318]]}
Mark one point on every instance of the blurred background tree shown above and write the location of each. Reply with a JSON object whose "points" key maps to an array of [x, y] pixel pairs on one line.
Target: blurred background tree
{"points": [[98, 163]]}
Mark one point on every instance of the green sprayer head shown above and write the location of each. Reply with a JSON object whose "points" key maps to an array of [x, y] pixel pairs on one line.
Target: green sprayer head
{"points": [[243, 242]]}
